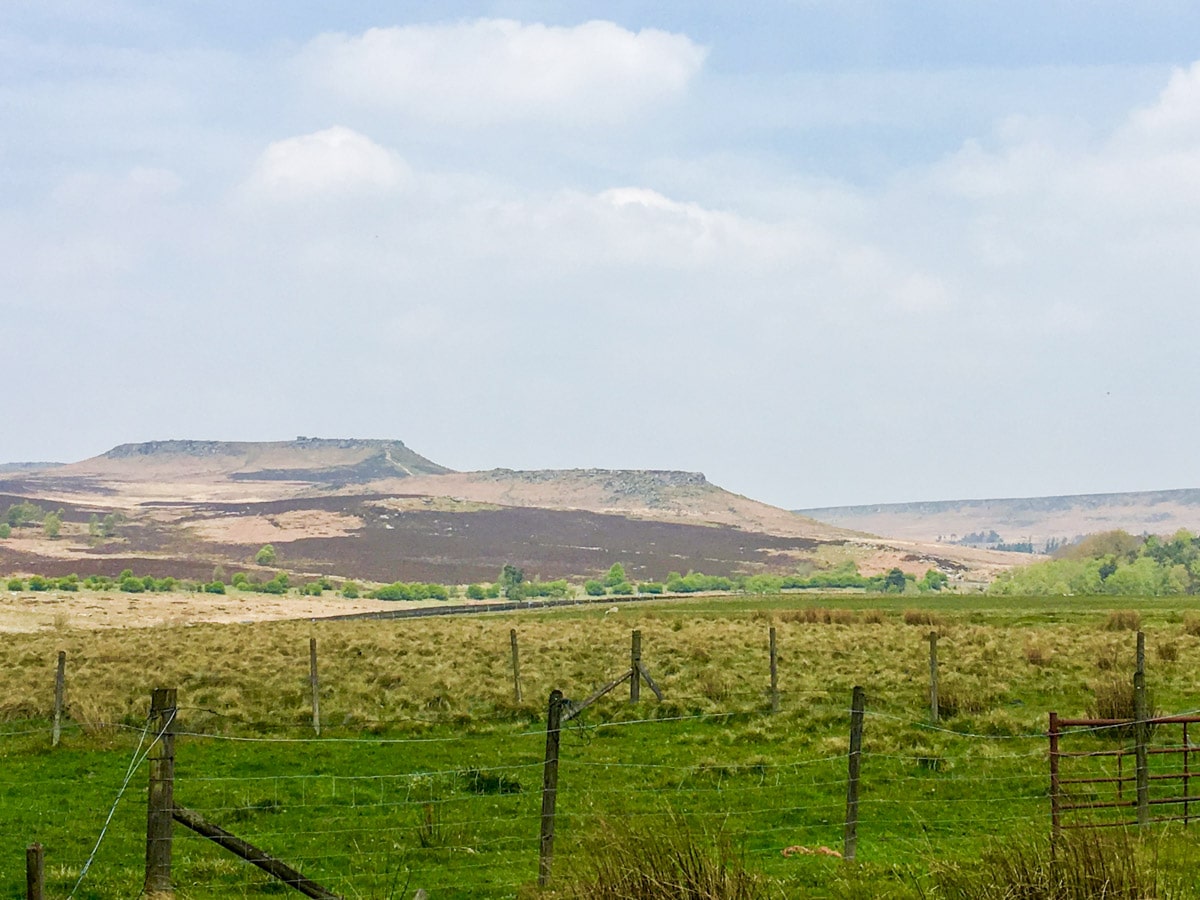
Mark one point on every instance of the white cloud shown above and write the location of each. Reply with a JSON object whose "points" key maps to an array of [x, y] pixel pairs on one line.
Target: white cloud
{"points": [[495, 70], [336, 161]]}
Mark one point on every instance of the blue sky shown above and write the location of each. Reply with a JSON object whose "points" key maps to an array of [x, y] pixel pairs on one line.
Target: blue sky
{"points": [[826, 253]]}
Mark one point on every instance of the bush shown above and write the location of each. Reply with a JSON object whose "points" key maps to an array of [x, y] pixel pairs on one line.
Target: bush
{"points": [[131, 585], [624, 589], [475, 592], [350, 590], [38, 583], [650, 587], [593, 588], [5, 530], [16, 584], [265, 556], [215, 587]]}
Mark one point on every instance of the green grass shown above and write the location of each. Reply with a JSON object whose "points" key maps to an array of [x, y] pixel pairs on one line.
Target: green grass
{"points": [[428, 773]]}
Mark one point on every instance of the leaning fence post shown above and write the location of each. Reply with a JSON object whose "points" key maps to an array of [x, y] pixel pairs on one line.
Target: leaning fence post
{"points": [[933, 677], [635, 661], [315, 682], [550, 786], [160, 806], [35, 872], [774, 673], [1142, 738], [516, 665], [60, 677], [850, 835]]}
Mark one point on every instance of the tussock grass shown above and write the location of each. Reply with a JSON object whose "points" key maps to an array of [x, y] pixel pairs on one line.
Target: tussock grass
{"points": [[1088, 864], [1123, 620], [668, 860], [921, 617]]}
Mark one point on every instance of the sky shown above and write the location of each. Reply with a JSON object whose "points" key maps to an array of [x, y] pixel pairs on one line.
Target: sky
{"points": [[827, 253]]}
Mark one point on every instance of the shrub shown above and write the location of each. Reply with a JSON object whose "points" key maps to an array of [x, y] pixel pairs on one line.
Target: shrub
{"points": [[624, 589], [593, 588], [16, 584], [265, 556], [1123, 620], [350, 590], [650, 587], [131, 585], [475, 592], [5, 530], [38, 583], [215, 587]]}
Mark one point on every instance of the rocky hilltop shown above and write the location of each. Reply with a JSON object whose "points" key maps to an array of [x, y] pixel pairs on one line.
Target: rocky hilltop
{"points": [[377, 509]]}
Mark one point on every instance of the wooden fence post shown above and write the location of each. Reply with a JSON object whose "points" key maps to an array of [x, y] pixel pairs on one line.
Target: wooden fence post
{"points": [[35, 872], [1142, 738], [635, 659], [1055, 799], [160, 804], [60, 677], [774, 673], [850, 835], [516, 665], [933, 677], [1140, 667], [315, 682], [550, 786]]}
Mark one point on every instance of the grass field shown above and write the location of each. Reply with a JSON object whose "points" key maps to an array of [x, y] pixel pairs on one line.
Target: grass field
{"points": [[428, 772]]}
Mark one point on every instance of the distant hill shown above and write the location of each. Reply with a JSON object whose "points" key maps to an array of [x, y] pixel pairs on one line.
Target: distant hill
{"points": [[6, 468], [376, 509], [1037, 520]]}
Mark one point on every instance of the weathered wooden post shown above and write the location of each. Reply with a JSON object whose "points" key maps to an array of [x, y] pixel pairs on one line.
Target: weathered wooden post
{"points": [[516, 665], [1142, 739], [774, 673], [315, 683], [635, 659], [60, 677], [850, 835], [1055, 798], [549, 786], [35, 872], [933, 677], [160, 804]]}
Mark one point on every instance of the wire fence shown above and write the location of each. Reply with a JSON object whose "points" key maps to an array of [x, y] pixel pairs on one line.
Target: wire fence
{"points": [[453, 804]]}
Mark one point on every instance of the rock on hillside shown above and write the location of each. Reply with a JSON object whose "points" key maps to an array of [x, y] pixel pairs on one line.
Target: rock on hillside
{"points": [[323, 461]]}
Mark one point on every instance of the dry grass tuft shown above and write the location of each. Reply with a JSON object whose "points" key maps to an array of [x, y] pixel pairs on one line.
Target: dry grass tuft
{"points": [[875, 617], [1123, 620], [1037, 655], [1168, 651], [921, 617], [1191, 624]]}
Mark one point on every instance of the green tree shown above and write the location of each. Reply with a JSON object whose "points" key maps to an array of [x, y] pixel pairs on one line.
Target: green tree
{"points": [[593, 588], [475, 592], [615, 576], [24, 513], [894, 581], [265, 556], [52, 525], [510, 581], [933, 581], [5, 530]]}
